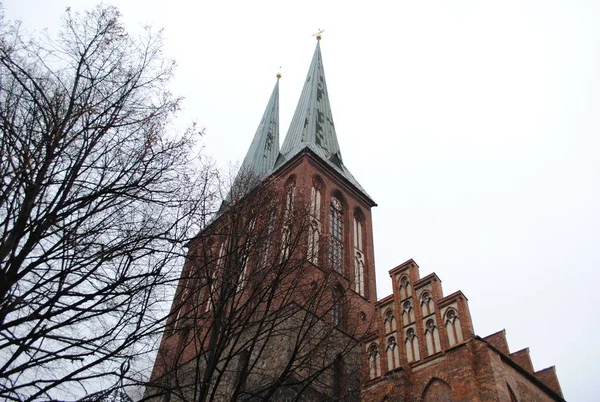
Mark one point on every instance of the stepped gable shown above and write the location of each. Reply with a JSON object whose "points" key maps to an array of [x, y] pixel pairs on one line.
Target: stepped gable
{"points": [[425, 344]]}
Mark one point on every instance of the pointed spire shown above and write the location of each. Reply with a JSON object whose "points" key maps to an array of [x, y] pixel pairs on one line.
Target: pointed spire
{"points": [[312, 122], [312, 125], [264, 150]]}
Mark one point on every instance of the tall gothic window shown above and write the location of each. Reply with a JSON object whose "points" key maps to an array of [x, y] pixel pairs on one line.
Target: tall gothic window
{"points": [[412, 346], [359, 257], [374, 361], [290, 193], [212, 287], [336, 235], [268, 247], [314, 233]]}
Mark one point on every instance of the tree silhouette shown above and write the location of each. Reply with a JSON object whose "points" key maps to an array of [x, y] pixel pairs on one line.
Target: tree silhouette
{"points": [[96, 200], [256, 316]]}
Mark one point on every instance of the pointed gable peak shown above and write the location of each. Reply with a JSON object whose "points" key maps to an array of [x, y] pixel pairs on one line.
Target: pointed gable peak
{"points": [[312, 125], [264, 150]]}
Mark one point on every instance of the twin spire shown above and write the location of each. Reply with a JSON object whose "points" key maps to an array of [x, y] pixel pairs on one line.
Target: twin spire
{"points": [[311, 128]]}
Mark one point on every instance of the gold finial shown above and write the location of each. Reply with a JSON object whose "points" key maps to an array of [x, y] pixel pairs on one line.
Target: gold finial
{"points": [[319, 35], [279, 73]]}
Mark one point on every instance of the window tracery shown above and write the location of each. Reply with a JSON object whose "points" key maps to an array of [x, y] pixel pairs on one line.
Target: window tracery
{"points": [[314, 233], [412, 346], [359, 257], [405, 290], [374, 361], [390, 321], [427, 304], [432, 337], [336, 235], [453, 327], [393, 357]]}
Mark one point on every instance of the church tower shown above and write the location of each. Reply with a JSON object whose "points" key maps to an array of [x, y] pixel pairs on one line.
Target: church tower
{"points": [[278, 290]]}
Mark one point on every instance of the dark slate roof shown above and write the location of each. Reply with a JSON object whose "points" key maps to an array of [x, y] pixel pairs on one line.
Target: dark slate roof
{"points": [[312, 125]]}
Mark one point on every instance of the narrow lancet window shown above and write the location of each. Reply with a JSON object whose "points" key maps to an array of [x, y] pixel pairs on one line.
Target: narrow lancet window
{"points": [[336, 234], [314, 234], [287, 224], [359, 258], [374, 362], [432, 337], [412, 346]]}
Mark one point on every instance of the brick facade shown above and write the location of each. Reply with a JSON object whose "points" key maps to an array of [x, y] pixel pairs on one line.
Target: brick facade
{"points": [[464, 367]]}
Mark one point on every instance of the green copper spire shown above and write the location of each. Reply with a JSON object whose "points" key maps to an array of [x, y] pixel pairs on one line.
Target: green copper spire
{"points": [[264, 150], [312, 122], [312, 125]]}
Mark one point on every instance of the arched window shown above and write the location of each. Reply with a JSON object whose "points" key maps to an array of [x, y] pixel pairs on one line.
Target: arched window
{"points": [[181, 308], [245, 251], [214, 277], [453, 327], [432, 337], [405, 290], [427, 305], [267, 247], [314, 233], [336, 235], [359, 256], [437, 390], [408, 313], [412, 346], [392, 353], [390, 321], [374, 361], [290, 194]]}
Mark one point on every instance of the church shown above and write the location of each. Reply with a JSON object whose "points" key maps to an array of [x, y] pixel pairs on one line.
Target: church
{"points": [[277, 299]]}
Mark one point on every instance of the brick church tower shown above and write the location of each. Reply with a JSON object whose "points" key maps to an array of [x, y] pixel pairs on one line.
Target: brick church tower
{"points": [[278, 290], [278, 301]]}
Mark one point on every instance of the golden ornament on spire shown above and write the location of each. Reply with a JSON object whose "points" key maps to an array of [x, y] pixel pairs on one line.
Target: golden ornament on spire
{"points": [[319, 35], [279, 73]]}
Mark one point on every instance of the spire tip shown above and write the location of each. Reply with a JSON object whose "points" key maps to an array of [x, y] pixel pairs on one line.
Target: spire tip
{"points": [[319, 34]]}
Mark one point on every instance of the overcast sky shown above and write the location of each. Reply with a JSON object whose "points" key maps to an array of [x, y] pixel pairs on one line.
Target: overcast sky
{"points": [[474, 125]]}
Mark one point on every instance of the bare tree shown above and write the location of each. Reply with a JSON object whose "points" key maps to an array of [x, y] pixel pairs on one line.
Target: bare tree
{"points": [[96, 201], [256, 316]]}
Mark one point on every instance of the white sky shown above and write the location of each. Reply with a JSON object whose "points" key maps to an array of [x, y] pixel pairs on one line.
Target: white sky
{"points": [[474, 125]]}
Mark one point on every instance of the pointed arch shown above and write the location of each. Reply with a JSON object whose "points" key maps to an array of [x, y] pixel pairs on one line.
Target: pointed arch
{"points": [[374, 361], [393, 355], [427, 304], [412, 346], [359, 255], [336, 233], [405, 289], [290, 199], [408, 313], [437, 390], [453, 327], [389, 321], [314, 231], [432, 337]]}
